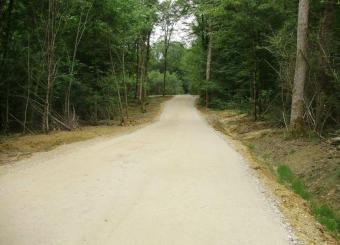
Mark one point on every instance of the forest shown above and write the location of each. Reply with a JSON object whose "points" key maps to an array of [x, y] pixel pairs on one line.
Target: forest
{"points": [[67, 63], [264, 73], [278, 60]]}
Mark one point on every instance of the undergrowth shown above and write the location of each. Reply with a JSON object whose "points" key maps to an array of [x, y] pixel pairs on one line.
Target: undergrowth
{"points": [[323, 213]]}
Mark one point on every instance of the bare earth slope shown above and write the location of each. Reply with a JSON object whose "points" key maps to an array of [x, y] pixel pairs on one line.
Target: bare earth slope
{"points": [[174, 182]]}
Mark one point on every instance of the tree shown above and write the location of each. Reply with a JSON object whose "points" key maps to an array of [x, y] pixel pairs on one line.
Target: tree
{"points": [[169, 13], [296, 118], [208, 69]]}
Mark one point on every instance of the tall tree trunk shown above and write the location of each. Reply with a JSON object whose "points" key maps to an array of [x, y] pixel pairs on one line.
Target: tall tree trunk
{"points": [[125, 88], [146, 70], [50, 54], [6, 124], [297, 109], [120, 104], [208, 66], [141, 69], [143, 72], [141, 66], [79, 34], [165, 66], [254, 94], [137, 69], [253, 86], [28, 86]]}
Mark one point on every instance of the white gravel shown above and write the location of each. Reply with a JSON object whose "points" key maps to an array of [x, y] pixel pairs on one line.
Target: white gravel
{"points": [[174, 182]]}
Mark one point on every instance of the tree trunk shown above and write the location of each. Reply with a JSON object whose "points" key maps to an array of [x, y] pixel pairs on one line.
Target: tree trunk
{"points": [[253, 86], [137, 69], [208, 66], [143, 64], [166, 47], [7, 110], [254, 94], [145, 71], [297, 109], [141, 70], [120, 105], [125, 88], [80, 31], [28, 86], [50, 54]]}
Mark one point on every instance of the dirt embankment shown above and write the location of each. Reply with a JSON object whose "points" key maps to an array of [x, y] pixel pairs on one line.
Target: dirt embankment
{"points": [[16, 147], [315, 163]]}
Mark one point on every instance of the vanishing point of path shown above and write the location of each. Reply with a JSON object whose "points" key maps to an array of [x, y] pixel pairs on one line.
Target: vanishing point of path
{"points": [[174, 182]]}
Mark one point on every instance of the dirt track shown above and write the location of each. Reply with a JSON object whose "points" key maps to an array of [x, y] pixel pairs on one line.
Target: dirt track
{"points": [[174, 182]]}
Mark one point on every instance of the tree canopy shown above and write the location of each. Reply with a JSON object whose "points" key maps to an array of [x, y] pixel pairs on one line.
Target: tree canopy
{"points": [[65, 63]]}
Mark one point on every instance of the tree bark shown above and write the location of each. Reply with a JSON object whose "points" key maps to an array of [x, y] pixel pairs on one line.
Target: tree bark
{"points": [[120, 105], [208, 66], [137, 69], [297, 108], [79, 34], [254, 93], [28, 86], [166, 47], [125, 88], [147, 62], [141, 69]]}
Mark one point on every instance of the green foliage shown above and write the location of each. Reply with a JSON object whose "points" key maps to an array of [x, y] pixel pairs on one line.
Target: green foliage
{"points": [[299, 188], [285, 174], [87, 32], [218, 104], [253, 58], [327, 217], [155, 85]]}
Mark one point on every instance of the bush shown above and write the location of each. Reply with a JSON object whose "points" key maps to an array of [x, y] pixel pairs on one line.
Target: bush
{"points": [[218, 104]]}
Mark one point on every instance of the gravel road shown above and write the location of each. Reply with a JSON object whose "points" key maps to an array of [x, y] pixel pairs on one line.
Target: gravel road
{"points": [[173, 182]]}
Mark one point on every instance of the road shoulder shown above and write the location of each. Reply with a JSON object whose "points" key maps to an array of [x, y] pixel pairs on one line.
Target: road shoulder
{"points": [[296, 211], [17, 147]]}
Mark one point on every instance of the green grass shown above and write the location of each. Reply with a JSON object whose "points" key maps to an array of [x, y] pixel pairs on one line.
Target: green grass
{"points": [[251, 146], [285, 174], [324, 214], [327, 217], [299, 188]]}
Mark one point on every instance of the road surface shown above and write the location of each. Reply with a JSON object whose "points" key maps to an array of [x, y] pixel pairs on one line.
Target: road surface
{"points": [[174, 182]]}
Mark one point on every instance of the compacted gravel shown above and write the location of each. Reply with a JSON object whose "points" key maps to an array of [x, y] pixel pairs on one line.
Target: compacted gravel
{"points": [[174, 182]]}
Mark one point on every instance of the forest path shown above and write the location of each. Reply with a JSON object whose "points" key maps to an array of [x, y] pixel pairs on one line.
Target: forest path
{"points": [[174, 182]]}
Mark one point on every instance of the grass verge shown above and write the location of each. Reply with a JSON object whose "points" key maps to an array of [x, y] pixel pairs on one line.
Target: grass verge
{"points": [[323, 213]]}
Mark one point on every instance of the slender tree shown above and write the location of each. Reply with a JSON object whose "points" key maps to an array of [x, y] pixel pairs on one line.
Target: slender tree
{"points": [[208, 65], [296, 119]]}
